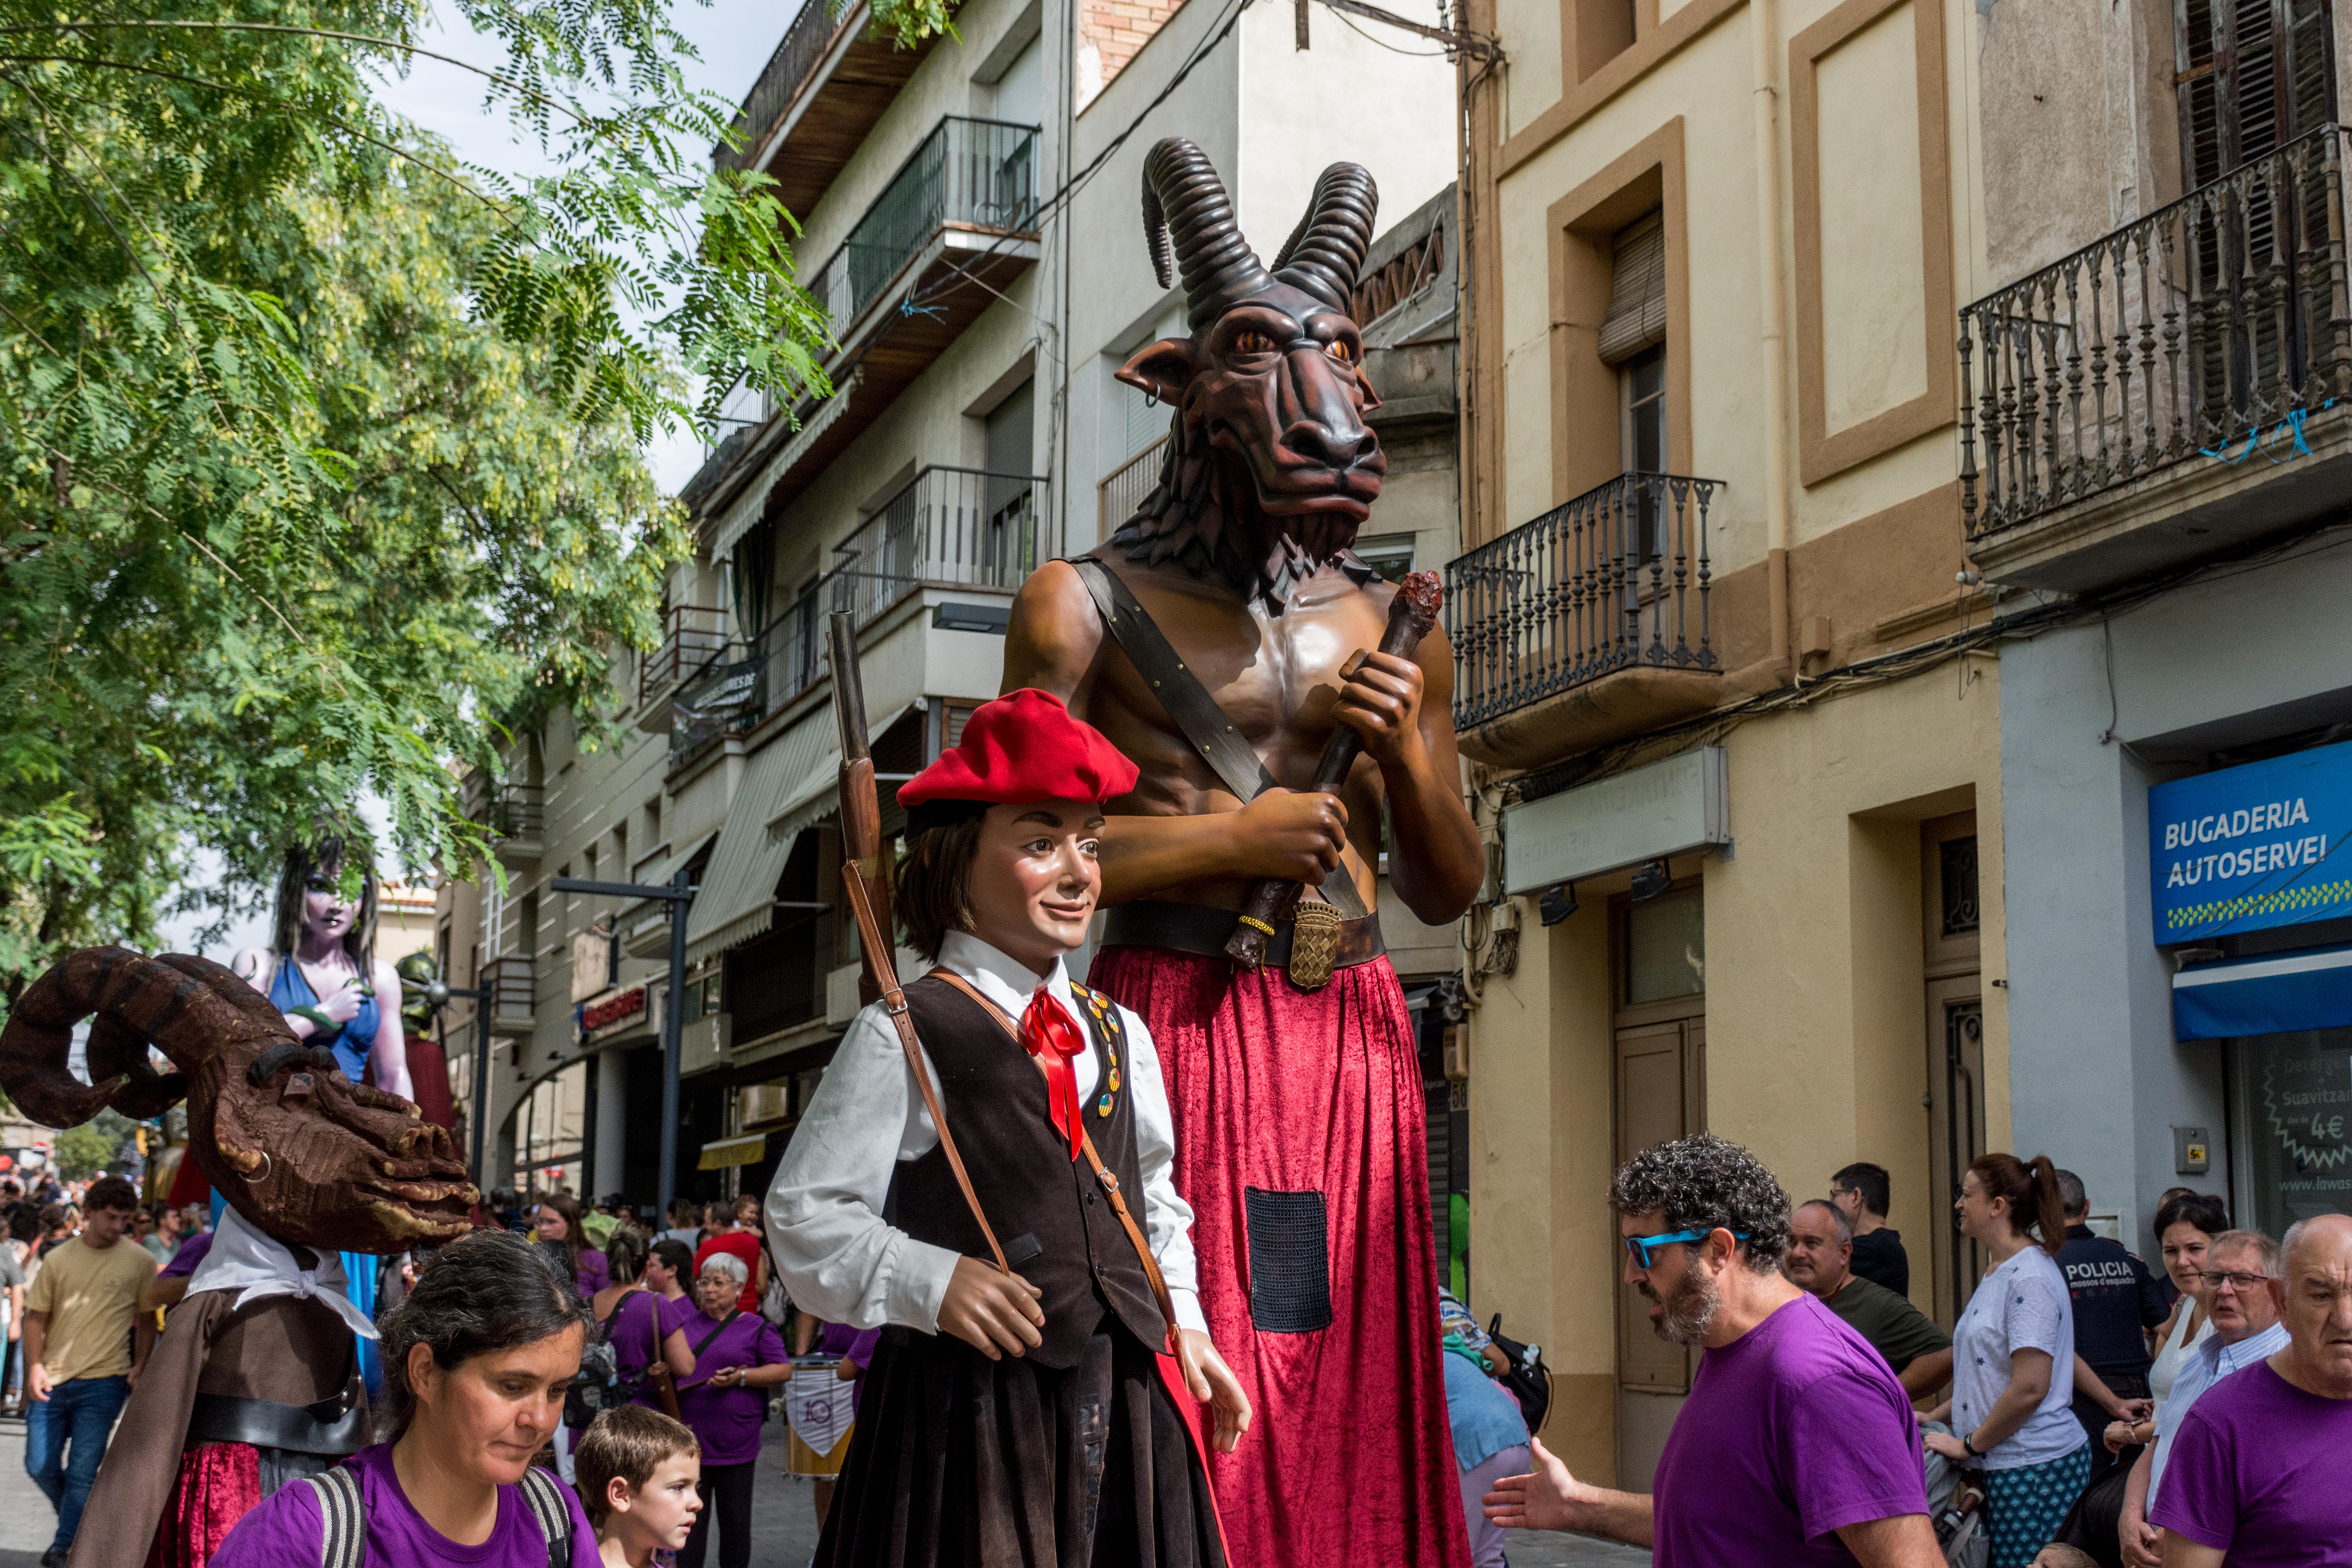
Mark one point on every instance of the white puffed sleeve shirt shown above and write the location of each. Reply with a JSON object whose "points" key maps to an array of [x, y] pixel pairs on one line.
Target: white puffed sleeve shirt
{"points": [[840, 1259]]}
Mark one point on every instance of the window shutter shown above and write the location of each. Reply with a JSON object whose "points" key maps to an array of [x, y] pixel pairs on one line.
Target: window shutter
{"points": [[1637, 291]]}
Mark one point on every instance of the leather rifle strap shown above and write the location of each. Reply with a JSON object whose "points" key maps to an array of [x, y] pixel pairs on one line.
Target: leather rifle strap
{"points": [[1189, 707], [1103, 1173], [894, 1001]]}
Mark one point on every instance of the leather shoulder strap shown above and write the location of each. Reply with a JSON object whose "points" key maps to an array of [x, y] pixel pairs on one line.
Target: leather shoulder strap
{"points": [[1189, 704], [1103, 1173], [1179, 689]]}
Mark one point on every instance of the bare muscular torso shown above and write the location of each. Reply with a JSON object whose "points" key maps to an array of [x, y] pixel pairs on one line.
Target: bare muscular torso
{"points": [[1279, 680]]}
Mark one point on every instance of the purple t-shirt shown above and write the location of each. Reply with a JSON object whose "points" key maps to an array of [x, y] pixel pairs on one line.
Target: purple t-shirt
{"points": [[726, 1420], [596, 1272], [2261, 1469], [632, 1334], [1792, 1431], [284, 1530], [191, 1253]]}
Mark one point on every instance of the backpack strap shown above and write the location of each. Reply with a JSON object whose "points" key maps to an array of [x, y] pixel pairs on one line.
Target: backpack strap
{"points": [[343, 1519], [544, 1493]]}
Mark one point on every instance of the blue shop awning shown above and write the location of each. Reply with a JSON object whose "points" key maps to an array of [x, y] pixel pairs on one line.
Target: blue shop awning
{"points": [[2264, 995]]}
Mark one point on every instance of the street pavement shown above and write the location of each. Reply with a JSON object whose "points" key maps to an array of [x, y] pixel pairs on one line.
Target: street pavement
{"points": [[783, 1517]]}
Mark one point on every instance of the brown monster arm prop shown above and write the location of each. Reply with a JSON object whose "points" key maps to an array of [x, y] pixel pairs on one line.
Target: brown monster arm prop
{"points": [[302, 1153], [1412, 613]]}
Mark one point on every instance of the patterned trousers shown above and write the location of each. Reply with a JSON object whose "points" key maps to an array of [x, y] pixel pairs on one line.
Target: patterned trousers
{"points": [[2024, 1507]]}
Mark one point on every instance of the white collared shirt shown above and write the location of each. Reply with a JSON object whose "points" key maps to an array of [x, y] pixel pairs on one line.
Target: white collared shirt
{"points": [[2207, 1362], [840, 1259]]}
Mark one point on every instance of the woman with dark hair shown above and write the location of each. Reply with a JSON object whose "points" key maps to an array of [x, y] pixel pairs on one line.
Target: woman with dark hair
{"points": [[625, 1266], [476, 1361], [2010, 1416], [635, 1332], [2186, 1225], [559, 1220]]}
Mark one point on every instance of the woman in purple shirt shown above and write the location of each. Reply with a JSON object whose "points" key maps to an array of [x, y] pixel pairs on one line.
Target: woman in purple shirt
{"points": [[724, 1360], [635, 1331], [476, 1363]]}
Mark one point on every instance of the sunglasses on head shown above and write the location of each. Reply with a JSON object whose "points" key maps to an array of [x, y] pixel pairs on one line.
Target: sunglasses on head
{"points": [[1638, 1248]]}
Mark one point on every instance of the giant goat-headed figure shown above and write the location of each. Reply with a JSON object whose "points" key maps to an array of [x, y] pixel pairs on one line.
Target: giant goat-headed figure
{"points": [[255, 1380], [1270, 468]]}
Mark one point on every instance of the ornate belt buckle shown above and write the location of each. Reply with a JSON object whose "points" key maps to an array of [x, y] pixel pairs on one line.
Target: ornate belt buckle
{"points": [[1314, 944]]}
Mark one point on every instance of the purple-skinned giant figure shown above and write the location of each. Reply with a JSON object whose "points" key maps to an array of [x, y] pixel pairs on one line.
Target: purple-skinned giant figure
{"points": [[1217, 639]]}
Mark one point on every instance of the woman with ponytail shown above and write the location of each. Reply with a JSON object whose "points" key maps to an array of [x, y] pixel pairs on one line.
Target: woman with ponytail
{"points": [[2012, 1415]]}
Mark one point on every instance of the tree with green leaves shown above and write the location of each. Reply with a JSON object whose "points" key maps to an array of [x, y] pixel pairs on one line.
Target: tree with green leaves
{"points": [[319, 452]]}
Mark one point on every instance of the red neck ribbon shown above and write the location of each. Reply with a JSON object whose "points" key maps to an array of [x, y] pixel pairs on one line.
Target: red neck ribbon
{"points": [[1051, 1035]]}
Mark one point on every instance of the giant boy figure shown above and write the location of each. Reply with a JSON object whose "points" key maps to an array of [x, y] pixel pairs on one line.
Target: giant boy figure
{"points": [[1217, 639]]}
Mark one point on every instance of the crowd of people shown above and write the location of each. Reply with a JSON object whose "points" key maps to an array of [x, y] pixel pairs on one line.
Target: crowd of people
{"points": [[2093, 1414]]}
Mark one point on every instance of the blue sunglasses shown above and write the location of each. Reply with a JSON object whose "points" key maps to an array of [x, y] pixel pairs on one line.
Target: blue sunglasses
{"points": [[1638, 1247]]}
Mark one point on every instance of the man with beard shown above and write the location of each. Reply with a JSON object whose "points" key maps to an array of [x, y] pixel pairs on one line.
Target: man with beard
{"points": [[1796, 1447], [1218, 638]]}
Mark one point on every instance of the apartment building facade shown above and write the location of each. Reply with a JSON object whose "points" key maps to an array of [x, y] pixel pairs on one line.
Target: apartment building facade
{"points": [[971, 223], [2155, 451], [1737, 753]]}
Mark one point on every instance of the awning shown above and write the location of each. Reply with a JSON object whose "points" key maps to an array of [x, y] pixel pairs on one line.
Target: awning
{"points": [[2264, 995], [747, 1150], [643, 924], [787, 787]]}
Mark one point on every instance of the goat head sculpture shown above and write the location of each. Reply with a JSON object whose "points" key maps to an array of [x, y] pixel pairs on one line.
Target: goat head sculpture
{"points": [[1270, 470], [301, 1150]]}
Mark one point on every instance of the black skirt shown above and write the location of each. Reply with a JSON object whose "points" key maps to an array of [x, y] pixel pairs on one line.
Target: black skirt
{"points": [[956, 1461]]}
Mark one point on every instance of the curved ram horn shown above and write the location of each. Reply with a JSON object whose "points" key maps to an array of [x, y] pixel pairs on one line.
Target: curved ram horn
{"points": [[1325, 251], [173, 1002], [1185, 201]]}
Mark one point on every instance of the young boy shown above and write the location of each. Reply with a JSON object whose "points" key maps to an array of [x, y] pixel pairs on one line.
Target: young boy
{"points": [[1021, 1420], [637, 1472]]}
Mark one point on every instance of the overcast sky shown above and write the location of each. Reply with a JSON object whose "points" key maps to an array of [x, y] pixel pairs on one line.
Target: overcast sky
{"points": [[734, 39]]}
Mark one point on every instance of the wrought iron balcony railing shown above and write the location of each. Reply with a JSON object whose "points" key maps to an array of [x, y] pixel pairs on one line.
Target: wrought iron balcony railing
{"points": [[946, 527], [691, 635], [973, 174], [1616, 579], [780, 82], [515, 811], [2216, 321], [1125, 487]]}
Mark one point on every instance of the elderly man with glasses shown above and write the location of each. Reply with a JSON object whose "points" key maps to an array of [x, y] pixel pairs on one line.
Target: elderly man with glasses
{"points": [[2239, 1267], [1796, 1447]]}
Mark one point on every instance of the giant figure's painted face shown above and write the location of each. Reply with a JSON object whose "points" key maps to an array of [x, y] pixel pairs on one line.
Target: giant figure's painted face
{"points": [[1271, 468], [304, 1154]]}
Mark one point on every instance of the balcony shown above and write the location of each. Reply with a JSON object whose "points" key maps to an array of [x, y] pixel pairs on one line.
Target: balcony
{"points": [[1118, 495], [819, 97], [947, 527], [518, 820], [2173, 392], [692, 635], [952, 229], [1587, 625], [513, 994]]}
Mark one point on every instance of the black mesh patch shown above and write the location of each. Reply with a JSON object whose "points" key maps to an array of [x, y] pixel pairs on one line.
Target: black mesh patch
{"points": [[1290, 1262]]}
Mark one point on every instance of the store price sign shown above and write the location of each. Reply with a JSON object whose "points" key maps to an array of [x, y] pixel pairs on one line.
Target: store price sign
{"points": [[2252, 848]]}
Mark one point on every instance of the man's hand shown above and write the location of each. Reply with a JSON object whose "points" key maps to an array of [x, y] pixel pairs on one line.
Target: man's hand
{"points": [[36, 1383], [1213, 1383], [1381, 702], [1546, 1497], [995, 1313], [1291, 834]]}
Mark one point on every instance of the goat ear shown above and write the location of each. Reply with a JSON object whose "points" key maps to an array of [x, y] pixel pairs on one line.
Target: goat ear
{"points": [[1163, 369], [1364, 382]]}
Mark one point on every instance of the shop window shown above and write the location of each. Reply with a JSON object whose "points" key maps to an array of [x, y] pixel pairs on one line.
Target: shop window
{"points": [[2293, 1099]]}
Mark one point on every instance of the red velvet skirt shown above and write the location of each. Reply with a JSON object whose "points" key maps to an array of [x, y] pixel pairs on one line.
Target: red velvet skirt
{"points": [[219, 1484], [1300, 1146]]}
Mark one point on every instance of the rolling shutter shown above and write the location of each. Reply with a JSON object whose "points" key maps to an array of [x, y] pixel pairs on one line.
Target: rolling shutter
{"points": [[1637, 291]]}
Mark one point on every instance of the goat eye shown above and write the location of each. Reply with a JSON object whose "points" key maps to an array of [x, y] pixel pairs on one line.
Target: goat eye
{"points": [[1253, 344], [1342, 351]]}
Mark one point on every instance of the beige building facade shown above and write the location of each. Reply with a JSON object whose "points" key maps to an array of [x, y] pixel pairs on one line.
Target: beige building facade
{"points": [[1737, 753]]}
